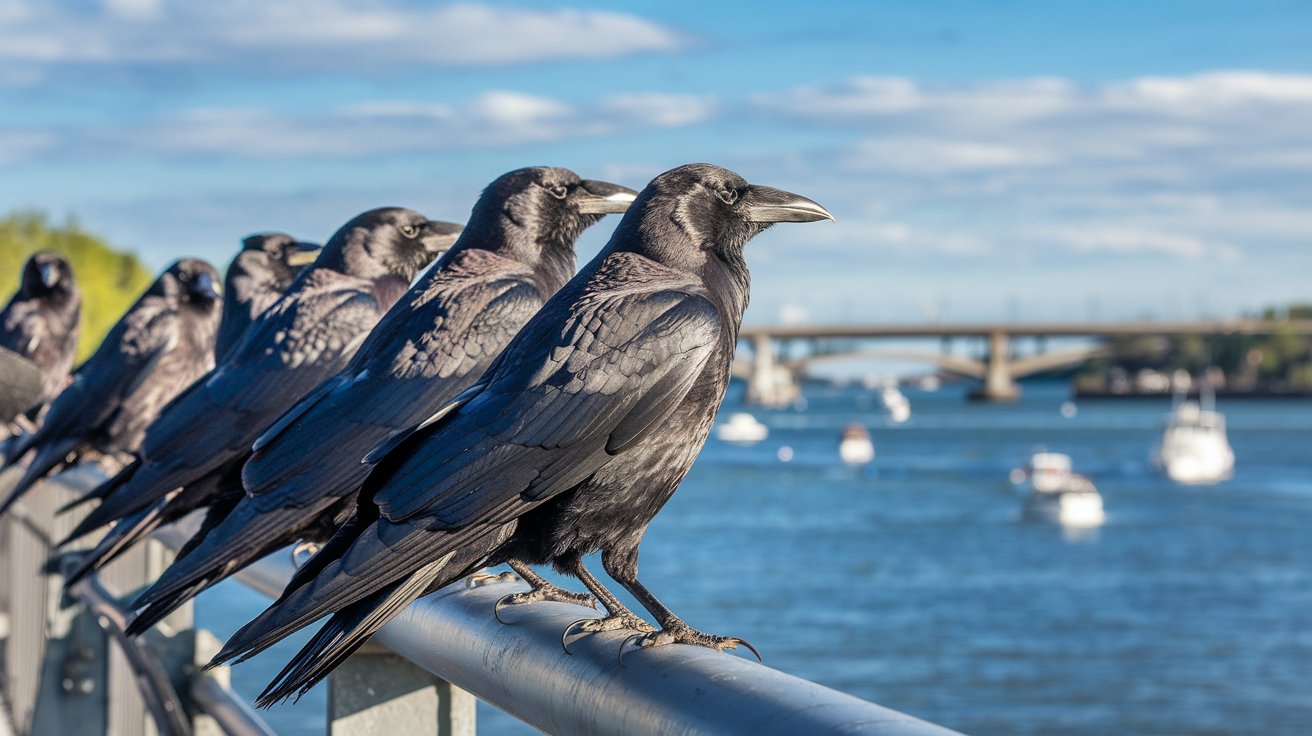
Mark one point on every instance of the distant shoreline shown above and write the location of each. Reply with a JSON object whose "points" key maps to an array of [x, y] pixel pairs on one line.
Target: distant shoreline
{"points": [[1220, 395]]}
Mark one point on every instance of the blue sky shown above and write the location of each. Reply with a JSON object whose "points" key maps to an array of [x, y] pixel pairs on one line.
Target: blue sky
{"points": [[1045, 160]]}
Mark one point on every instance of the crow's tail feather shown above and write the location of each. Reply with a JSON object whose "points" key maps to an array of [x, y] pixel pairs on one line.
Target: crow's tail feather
{"points": [[344, 633], [47, 458], [119, 540], [243, 537]]}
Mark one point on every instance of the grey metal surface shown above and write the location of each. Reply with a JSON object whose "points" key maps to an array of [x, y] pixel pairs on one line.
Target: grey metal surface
{"points": [[232, 714], [521, 668]]}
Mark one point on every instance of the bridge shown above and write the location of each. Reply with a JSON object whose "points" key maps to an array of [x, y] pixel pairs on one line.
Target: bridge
{"points": [[772, 380]]}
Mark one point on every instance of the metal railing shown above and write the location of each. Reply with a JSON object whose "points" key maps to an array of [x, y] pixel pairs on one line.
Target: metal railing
{"points": [[404, 685]]}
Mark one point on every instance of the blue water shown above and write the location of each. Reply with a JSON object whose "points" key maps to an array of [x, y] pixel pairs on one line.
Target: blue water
{"points": [[915, 585]]}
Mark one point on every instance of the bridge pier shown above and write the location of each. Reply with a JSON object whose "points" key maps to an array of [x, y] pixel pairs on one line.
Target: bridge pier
{"points": [[999, 384], [770, 383]]}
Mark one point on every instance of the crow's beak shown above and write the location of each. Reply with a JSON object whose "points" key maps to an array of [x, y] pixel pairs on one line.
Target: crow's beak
{"points": [[49, 274], [206, 287], [767, 204], [604, 198], [302, 254], [439, 236]]}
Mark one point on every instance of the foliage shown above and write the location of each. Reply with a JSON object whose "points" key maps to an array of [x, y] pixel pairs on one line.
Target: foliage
{"points": [[1281, 360], [110, 279]]}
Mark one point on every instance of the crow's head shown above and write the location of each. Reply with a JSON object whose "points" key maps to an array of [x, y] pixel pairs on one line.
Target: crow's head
{"points": [[47, 274], [698, 211], [388, 242], [277, 257], [192, 282], [538, 208]]}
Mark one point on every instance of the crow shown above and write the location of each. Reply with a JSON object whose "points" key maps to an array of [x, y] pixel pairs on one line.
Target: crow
{"points": [[257, 277], [516, 251], [569, 444], [40, 322], [158, 348], [197, 446]]}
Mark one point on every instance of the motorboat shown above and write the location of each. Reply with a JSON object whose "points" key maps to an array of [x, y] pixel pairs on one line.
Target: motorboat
{"points": [[855, 447], [1195, 449], [895, 403], [1059, 495], [742, 428]]}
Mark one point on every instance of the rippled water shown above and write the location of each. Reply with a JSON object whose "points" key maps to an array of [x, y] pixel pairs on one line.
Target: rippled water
{"points": [[914, 584]]}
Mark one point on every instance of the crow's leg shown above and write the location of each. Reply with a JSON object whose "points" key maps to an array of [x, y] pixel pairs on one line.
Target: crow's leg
{"points": [[618, 616], [622, 565], [542, 590]]}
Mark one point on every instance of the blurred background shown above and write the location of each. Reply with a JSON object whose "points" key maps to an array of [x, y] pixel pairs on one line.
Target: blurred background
{"points": [[1006, 163]]}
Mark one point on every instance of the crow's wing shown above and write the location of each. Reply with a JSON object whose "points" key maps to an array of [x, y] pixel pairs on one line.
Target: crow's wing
{"points": [[124, 360], [416, 361], [283, 356], [571, 391]]}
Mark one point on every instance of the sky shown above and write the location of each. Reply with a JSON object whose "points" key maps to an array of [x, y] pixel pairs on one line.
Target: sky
{"points": [[1014, 159]]}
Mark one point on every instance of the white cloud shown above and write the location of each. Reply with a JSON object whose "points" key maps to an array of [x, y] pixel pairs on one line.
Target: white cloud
{"points": [[1113, 239], [928, 155], [18, 146], [661, 110], [1205, 124], [492, 119], [320, 35]]}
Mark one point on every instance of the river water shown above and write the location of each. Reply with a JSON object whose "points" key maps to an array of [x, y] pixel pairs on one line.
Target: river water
{"points": [[915, 584]]}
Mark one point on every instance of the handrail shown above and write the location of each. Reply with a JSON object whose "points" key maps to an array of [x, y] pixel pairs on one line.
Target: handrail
{"points": [[521, 668], [233, 714]]}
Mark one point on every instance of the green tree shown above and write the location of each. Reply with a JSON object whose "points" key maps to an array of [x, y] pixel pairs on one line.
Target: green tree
{"points": [[110, 279]]}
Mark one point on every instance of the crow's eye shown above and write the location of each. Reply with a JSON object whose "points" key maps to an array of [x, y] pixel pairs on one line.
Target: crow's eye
{"points": [[409, 230], [728, 196], [560, 191]]}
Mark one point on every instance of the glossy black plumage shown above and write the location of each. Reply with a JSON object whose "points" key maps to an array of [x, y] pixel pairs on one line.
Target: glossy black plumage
{"points": [[199, 443], [516, 251], [569, 444], [41, 321], [256, 279], [156, 350]]}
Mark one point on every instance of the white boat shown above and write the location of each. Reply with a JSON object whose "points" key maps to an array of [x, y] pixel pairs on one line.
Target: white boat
{"points": [[1058, 495], [742, 427], [895, 403], [1194, 447], [855, 447]]}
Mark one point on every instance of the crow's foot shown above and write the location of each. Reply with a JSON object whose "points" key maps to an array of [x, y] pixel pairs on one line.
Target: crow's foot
{"points": [[609, 623], [487, 578], [303, 551], [544, 592], [684, 634]]}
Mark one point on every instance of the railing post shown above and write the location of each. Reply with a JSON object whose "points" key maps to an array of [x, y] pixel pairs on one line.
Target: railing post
{"points": [[54, 655], [378, 692]]}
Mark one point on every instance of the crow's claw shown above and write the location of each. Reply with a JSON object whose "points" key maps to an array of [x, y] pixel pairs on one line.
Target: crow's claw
{"points": [[546, 592], [486, 578], [689, 635], [609, 623], [303, 551]]}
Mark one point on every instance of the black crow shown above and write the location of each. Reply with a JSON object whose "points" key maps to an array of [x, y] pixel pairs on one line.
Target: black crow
{"points": [[40, 322], [569, 444], [200, 442], [517, 250], [257, 277], [158, 348]]}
